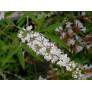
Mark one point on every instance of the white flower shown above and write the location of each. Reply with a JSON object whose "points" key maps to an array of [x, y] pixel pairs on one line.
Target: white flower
{"points": [[70, 32], [42, 51], [79, 48], [77, 73], [42, 46], [86, 67], [68, 25], [89, 46], [77, 37], [79, 24], [55, 51], [83, 29], [36, 34], [70, 42], [63, 34], [68, 68], [38, 38], [54, 59], [60, 28], [27, 38], [61, 63], [57, 30], [23, 40], [46, 44], [31, 35], [28, 28], [48, 58], [64, 58], [73, 64], [20, 34], [74, 76], [35, 42], [41, 78]]}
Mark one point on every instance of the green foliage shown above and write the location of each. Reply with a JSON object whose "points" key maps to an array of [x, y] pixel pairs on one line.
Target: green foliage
{"points": [[12, 60]]}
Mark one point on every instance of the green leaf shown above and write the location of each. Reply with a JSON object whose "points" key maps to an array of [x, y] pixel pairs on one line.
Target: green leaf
{"points": [[21, 57], [8, 57]]}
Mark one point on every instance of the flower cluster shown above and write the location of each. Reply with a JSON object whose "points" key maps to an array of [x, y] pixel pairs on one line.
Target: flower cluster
{"points": [[50, 52], [69, 33]]}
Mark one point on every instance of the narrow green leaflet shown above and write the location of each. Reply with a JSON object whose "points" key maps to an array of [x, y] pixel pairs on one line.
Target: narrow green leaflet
{"points": [[21, 57]]}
